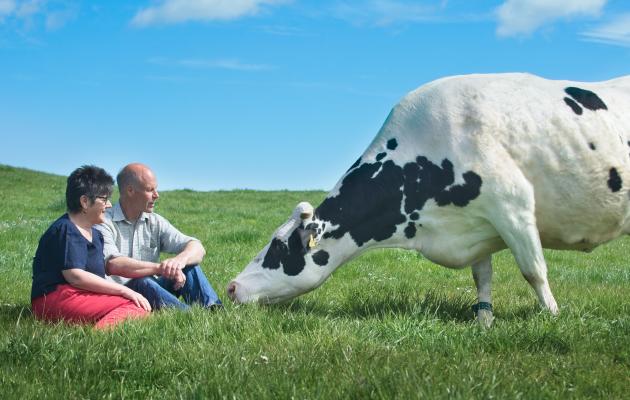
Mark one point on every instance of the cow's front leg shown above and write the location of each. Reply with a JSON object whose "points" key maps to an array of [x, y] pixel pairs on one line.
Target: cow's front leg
{"points": [[482, 274]]}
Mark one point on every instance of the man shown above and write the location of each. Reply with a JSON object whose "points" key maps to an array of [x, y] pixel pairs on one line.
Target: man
{"points": [[134, 236]]}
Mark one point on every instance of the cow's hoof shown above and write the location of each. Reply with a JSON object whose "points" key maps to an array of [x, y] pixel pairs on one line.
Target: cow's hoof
{"points": [[553, 309], [483, 311], [485, 318]]}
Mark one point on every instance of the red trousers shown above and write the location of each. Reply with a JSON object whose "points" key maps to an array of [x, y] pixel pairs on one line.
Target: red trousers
{"points": [[75, 305]]}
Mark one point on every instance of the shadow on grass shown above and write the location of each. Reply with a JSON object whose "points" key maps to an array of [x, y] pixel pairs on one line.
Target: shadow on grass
{"points": [[13, 313], [524, 312], [434, 305]]}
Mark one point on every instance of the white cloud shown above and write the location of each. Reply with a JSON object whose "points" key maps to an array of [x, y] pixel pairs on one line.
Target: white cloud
{"points": [[280, 30], [6, 7], [177, 11], [58, 19], [224, 64], [615, 32], [231, 64], [29, 8], [385, 12], [518, 17], [27, 13]]}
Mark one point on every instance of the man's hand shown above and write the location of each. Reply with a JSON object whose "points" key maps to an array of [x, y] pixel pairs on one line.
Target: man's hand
{"points": [[171, 268], [180, 280]]}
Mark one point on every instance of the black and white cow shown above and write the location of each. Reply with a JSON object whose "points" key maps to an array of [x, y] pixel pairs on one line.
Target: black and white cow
{"points": [[463, 167]]}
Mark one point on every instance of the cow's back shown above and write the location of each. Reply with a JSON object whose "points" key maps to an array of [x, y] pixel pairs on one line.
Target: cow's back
{"points": [[576, 159]]}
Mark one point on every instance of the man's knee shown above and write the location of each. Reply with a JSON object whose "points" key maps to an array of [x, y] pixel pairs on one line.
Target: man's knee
{"points": [[194, 273], [146, 281], [146, 286], [193, 268]]}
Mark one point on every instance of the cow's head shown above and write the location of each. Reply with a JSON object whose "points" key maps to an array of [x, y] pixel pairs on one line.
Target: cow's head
{"points": [[290, 265]]}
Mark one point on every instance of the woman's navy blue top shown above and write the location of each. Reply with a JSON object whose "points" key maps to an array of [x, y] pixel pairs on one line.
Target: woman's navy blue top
{"points": [[61, 247]]}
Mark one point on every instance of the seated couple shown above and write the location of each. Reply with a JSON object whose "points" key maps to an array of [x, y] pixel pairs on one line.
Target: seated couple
{"points": [[98, 264]]}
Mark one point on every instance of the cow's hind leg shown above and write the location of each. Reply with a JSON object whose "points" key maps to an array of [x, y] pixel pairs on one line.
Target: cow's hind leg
{"points": [[482, 274], [518, 230]]}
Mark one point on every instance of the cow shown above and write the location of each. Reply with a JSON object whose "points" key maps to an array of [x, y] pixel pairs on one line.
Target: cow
{"points": [[463, 167]]}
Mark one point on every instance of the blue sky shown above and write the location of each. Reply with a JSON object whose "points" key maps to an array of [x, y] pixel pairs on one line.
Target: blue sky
{"points": [[262, 94]]}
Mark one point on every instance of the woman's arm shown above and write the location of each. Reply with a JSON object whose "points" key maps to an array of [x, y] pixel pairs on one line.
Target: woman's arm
{"points": [[88, 281]]}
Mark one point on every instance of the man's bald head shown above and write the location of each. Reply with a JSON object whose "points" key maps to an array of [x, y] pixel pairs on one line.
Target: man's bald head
{"points": [[132, 175], [138, 190]]}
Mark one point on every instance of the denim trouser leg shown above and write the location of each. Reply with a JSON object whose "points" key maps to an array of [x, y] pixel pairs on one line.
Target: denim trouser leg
{"points": [[197, 289], [155, 293]]}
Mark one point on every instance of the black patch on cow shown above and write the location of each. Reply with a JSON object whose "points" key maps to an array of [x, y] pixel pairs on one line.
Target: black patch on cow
{"points": [[321, 257], [410, 230], [428, 181], [369, 200], [414, 216], [356, 164], [380, 156], [290, 255], [614, 180], [392, 144], [574, 106], [312, 226], [628, 143], [367, 207], [586, 98], [592, 145]]}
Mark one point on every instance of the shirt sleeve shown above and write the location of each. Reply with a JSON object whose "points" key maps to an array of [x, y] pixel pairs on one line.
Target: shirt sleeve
{"points": [[75, 254], [110, 249], [171, 239]]}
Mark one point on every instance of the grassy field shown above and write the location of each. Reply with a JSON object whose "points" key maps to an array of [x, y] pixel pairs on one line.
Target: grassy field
{"points": [[390, 324]]}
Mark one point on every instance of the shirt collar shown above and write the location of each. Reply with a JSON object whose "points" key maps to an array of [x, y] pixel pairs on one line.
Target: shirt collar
{"points": [[119, 215]]}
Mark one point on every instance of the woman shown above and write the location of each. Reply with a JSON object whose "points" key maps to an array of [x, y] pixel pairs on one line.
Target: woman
{"points": [[69, 270]]}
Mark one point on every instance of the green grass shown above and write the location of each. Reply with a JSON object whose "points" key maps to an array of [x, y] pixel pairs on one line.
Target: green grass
{"points": [[388, 325]]}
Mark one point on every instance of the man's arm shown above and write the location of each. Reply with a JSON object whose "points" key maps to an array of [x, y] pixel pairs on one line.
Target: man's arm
{"points": [[192, 254], [128, 267], [188, 250], [131, 268], [118, 264]]}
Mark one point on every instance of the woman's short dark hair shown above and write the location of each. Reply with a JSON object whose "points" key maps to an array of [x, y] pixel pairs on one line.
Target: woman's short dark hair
{"points": [[88, 180]]}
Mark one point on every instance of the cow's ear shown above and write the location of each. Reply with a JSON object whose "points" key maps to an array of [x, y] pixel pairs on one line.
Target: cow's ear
{"points": [[303, 211]]}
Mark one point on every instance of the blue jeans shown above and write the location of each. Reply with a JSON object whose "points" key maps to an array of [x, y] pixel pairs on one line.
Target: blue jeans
{"points": [[160, 293]]}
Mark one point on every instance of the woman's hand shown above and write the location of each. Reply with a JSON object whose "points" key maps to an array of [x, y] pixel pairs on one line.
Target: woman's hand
{"points": [[138, 299]]}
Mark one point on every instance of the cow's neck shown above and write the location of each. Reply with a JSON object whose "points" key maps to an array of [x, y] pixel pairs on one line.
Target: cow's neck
{"points": [[348, 232]]}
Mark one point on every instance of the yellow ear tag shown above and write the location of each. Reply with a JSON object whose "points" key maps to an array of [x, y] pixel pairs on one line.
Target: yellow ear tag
{"points": [[311, 242]]}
